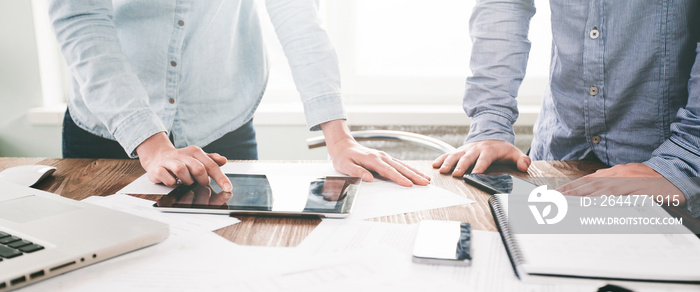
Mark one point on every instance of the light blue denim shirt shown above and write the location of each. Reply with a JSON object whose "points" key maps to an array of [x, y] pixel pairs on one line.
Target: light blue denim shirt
{"points": [[624, 83], [197, 69]]}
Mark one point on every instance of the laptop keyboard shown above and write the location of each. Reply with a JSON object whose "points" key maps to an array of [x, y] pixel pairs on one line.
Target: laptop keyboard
{"points": [[13, 246]]}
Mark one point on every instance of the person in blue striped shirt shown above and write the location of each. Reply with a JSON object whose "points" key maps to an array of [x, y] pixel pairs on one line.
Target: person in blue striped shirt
{"points": [[624, 89]]}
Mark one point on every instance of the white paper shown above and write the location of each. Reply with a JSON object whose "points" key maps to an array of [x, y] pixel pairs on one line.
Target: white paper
{"points": [[276, 168], [369, 269], [490, 269], [143, 186], [383, 198], [180, 223], [340, 235]]}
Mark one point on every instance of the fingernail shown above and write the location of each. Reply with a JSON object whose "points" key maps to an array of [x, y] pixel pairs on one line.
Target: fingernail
{"points": [[227, 187]]}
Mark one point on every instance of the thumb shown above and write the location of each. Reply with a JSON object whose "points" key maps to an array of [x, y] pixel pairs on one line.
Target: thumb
{"points": [[523, 163]]}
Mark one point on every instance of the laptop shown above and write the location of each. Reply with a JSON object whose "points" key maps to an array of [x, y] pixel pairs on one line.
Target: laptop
{"points": [[43, 234]]}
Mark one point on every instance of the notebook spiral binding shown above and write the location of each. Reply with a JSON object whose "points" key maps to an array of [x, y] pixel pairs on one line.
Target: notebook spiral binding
{"points": [[501, 218]]}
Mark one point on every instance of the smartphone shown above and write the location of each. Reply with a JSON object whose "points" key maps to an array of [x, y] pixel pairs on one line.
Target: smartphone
{"points": [[499, 183], [443, 242]]}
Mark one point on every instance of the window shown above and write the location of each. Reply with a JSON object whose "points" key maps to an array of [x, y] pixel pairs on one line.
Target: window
{"points": [[406, 52], [52, 66], [391, 52]]}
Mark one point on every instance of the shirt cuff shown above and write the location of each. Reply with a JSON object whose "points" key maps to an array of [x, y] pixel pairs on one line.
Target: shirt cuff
{"points": [[322, 109], [490, 126], [136, 128], [680, 167]]}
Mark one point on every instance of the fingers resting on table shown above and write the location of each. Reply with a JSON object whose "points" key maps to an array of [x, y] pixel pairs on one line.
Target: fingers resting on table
{"points": [[478, 156], [356, 160]]}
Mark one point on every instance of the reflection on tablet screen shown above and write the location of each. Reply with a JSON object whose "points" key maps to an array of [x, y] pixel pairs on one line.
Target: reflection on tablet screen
{"points": [[253, 193], [250, 192]]}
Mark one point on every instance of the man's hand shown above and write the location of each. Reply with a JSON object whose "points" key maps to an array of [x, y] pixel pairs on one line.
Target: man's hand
{"points": [[481, 155], [166, 164], [626, 179], [356, 160]]}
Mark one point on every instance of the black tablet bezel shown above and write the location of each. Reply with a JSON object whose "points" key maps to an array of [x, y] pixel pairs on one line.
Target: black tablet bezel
{"points": [[343, 207]]}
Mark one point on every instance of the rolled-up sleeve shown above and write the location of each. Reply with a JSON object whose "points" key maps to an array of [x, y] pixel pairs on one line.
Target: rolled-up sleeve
{"points": [[110, 89], [312, 59], [678, 159], [499, 56]]}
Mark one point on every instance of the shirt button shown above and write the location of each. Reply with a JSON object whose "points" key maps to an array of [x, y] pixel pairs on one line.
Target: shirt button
{"points": [[173, 63], [596, 139], [180, 23], [594, 34], [593, 90], [171, 101]]}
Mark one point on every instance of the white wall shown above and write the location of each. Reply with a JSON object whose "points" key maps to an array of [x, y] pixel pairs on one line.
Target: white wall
{"points": [[277, 142], [20, 86]]}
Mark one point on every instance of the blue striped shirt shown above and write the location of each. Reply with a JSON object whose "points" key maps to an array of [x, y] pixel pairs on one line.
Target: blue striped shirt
{"points": [[623, 85]]}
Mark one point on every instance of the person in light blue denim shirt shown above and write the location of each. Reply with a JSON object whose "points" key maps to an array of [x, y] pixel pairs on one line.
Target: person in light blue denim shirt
{"points": [[624, 88], [148, 71]]}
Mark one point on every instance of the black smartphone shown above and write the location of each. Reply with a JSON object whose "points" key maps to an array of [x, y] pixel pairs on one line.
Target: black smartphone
{"points": [[498, 183]]}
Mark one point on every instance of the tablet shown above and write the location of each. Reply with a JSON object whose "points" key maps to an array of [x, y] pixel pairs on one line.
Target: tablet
{"points": [[252, 194]]}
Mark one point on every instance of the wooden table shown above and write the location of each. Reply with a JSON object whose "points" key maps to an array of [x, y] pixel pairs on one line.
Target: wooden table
{"points": [[80, 178]]}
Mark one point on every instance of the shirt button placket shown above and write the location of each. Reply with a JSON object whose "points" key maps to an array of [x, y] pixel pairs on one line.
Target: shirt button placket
{"points": [[172, 100], [173, 63], [593, 34]]}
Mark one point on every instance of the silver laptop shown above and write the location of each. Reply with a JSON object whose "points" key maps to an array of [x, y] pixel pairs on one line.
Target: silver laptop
{"points": [[43, 234]]}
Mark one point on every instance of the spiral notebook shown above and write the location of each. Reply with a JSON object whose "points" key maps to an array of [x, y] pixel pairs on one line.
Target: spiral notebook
{"points": [[665, 258]]}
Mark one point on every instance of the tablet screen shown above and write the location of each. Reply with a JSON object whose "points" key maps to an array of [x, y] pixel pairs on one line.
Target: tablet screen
{"points": [[254, 193], [499, 183]]}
